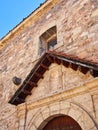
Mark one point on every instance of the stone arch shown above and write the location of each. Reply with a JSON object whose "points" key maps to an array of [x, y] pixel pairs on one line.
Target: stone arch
{"points": [[50, 111], [51, 24], [62, 122]]}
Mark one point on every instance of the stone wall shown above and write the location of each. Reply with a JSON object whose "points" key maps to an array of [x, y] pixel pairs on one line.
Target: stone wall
{"points": [[58, 79], [76, 35], [77, 103], [77, 27]]}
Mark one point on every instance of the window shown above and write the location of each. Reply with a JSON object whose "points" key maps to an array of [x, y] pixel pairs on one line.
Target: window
{"points": [[48, 40]]}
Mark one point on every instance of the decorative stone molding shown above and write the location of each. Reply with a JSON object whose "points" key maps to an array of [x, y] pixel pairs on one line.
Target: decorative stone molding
{"points": [[62, 108], [43, 110]]}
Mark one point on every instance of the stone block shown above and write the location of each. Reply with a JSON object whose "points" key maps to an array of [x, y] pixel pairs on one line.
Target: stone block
{"points": [[88, 122], [75, 113], [54, 108], [95, 13], [46, 112], [38, 120], [64, 105], [33, 128], [21, 128], [83, 54], [84, 100]]}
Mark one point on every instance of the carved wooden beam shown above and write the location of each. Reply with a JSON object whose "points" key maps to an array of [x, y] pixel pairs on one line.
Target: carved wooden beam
{"points": [[26, 92], [39, 75], [66, 64], [32, 84], [20, 100], [74, 66], [94, 73], [49, 58], [83, 69], [56, 60], [43, 66]]}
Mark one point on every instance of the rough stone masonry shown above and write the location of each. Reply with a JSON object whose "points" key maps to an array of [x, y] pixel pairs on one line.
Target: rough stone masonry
{"points": [[62, 90]]}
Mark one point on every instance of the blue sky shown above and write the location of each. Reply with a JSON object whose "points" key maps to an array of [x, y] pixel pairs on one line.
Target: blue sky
{"points": [[12, 12]]}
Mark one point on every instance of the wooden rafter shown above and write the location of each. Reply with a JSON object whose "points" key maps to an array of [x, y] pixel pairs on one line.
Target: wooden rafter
{"points": [[42, 66]]}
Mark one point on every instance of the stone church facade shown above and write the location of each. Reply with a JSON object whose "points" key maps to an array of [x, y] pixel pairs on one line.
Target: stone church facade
{"points": [[49, 69]]}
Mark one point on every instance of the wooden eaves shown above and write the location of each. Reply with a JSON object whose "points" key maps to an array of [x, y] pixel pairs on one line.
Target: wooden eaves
{"points": [[42, 66]]}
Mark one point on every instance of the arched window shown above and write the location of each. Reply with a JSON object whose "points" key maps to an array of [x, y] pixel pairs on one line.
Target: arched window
{"points": [[48, 39]]}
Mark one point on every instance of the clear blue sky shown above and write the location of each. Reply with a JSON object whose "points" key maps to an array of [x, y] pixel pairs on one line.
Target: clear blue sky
{"points": [[12, 12]]}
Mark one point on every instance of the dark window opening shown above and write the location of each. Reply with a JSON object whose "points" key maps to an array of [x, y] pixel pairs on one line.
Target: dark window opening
{"points": [[48, 40], [51, 44]]}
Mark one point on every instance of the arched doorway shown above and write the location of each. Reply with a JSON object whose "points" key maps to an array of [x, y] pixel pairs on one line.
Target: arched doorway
{"points": [[62, 123]]}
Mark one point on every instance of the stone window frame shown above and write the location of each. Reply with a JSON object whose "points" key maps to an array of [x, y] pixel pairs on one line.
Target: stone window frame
{"points": [[48, 40]]}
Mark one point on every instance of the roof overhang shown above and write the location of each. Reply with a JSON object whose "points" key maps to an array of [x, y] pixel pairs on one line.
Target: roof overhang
{"points": [[42, 66]]}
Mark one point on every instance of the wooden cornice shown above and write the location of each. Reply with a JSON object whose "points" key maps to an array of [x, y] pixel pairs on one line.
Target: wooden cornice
{"points": [[41, 67]]}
